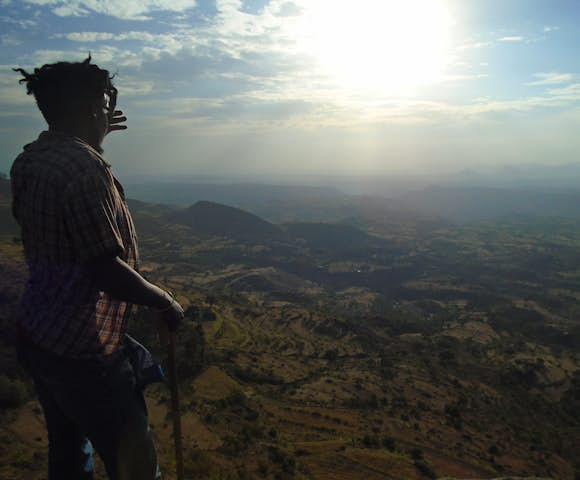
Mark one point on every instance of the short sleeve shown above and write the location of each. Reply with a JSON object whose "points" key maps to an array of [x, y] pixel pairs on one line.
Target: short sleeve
{"points": [[90, 218]]}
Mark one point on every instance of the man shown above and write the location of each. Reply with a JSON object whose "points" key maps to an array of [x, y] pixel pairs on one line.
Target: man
{"points": [[80, 247]]}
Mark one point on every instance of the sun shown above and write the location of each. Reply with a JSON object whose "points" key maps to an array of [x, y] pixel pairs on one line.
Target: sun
{"points": [[389, 46]]}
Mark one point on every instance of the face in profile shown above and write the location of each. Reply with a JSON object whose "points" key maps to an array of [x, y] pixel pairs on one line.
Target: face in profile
{"points": [[103, 115]]}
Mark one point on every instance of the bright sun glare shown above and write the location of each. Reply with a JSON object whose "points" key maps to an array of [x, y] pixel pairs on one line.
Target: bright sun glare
{"points": [[383, 46]]}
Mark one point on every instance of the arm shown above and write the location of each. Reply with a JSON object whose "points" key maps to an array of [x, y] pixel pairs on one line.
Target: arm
{"points": [[119, 280], [96, 242]]}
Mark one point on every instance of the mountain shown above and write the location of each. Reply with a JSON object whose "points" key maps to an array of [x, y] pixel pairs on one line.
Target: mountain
{"points": [[209, 218], [240, 195], [478, 203]]}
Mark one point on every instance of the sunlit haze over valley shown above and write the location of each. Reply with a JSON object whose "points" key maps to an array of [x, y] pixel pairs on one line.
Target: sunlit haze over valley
{"points": [[369, 211]]}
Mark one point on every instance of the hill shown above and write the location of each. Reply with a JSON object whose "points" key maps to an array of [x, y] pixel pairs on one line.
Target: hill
{"points": [[239, 195], [214, 219]]}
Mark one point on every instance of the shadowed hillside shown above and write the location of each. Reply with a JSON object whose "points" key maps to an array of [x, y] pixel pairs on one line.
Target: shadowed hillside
{"points": [[4, 187], [329, 236], [8, 225], [214, 219]]}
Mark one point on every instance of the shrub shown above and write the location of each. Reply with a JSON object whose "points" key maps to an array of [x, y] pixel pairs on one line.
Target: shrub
{"points": [[284, 459], [13, 393], [425, 469], [417, 454], [198, 465], [389, 443], [493, 450], [371, 441]]}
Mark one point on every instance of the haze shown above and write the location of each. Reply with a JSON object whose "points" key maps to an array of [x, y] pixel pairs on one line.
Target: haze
{"points": [[288, 89]]}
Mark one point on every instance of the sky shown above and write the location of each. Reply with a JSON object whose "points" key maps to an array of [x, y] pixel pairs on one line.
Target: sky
{"points": [[284, 87]]}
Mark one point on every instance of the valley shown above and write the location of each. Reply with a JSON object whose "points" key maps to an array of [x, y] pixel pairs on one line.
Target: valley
{"points": [[373, 346]]}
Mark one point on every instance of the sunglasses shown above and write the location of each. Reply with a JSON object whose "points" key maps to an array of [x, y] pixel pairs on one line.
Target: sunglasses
{"points": [[111, 93]]}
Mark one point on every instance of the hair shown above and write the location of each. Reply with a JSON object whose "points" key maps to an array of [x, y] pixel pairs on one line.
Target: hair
{"points": [[66, 88]]}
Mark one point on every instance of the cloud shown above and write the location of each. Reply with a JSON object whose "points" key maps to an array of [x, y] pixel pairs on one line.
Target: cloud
{"points": [[514, 38], [244, 70], [570, 93], [20, 22], [305, 109], [86, 36], [550, 28], [167, 43], [11, 93], [8, 40], [472, 45], [104, 55], [73, 10], [551, 78], [129, 86], [123, 9]]}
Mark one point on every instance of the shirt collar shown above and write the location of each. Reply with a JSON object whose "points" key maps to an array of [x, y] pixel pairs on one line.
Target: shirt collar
{"points": [[56, 135]]}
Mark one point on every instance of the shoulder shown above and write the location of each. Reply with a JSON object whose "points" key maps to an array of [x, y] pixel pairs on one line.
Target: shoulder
{"points": [[57, 160]]}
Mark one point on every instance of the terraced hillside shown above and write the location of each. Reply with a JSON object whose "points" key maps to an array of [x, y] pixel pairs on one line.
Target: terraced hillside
{"points": [[449, 352]]}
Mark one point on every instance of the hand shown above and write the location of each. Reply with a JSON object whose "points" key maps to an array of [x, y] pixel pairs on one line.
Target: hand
{"points": [[172, 317], [114, 123]]}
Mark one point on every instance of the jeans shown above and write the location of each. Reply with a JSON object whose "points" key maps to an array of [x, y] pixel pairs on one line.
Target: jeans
{"points": [[89, 405]]}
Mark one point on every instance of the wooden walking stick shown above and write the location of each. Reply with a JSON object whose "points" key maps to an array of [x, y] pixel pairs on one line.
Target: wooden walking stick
{"points": [[175, 406]]}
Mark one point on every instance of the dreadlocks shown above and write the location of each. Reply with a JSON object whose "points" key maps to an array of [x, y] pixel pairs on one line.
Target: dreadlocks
{"points": [[64, 88]]}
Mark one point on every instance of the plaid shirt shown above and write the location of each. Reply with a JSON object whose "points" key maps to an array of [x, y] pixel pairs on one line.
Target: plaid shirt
{"points": [[71, 210]]}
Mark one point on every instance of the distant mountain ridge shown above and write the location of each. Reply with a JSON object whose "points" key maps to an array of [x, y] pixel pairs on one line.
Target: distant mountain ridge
{"points": [[295, 204], [210, 218], [238, 195], [474, 204]]}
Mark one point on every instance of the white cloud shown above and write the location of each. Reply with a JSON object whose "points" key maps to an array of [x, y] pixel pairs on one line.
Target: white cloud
{"points": [[8, 76], [514, 38], [550, 28], [298, 106], [169, 43], [8, 40], [471, 45], [87, 36], [134, 87], [124, 9], [106, 56], [551, 78], [73, 10], [570, 93], [11, 93], [22, 23], [241, 67]]}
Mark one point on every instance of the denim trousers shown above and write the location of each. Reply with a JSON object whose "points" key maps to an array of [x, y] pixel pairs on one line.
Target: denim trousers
{"points": [[88, 405]]}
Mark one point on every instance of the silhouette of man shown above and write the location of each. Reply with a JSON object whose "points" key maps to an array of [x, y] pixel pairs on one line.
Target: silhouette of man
{"points": [[81, 250]]}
